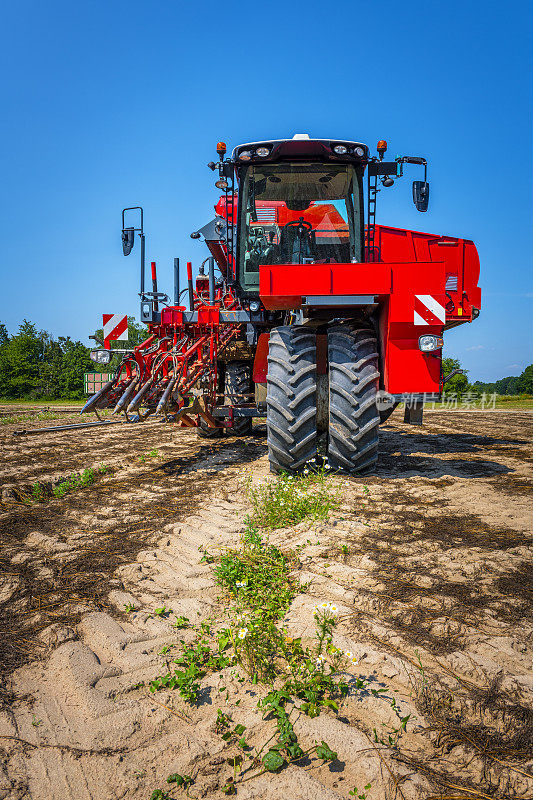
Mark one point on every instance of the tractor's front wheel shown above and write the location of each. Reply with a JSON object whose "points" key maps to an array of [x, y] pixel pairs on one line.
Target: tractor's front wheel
{"points": [[353, 386], [291, 398], [205, 431]]}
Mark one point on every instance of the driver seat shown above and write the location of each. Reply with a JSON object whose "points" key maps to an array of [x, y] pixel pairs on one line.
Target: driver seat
{"points": [[296, 244]]}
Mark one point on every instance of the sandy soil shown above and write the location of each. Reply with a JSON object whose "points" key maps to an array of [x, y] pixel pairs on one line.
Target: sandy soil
{"points": [[429, 562]]}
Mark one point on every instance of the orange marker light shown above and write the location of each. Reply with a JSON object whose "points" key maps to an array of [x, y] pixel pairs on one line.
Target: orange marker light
{"points": [[221, 149], [382, 148]]}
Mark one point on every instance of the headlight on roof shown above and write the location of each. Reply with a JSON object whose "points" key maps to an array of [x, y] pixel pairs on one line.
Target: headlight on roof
{"points": [[245, 155], [262, 151], [340, 149], [358, 151]]}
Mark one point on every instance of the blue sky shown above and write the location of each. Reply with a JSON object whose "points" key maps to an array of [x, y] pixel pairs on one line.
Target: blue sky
{"points": [[111, 104]]}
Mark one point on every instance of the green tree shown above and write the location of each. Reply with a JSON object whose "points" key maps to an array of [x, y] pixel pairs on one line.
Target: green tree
{"points": [[34, 365], [75, 363], [525, 381], [21, 357], [459, 383]]}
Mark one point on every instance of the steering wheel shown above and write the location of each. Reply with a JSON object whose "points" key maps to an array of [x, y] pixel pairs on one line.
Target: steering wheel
{"points": [[298, 222]]}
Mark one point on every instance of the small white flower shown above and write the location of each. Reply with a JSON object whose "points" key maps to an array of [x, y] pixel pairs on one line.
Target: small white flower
{"points": [[355, 661], [243, 632], [324, 605], [240, 584], [320, 660], [348, 654], [333, 610]]}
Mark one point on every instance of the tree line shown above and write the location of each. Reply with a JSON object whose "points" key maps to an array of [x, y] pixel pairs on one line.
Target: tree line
{"points": [[512, 385], [36, 366]]}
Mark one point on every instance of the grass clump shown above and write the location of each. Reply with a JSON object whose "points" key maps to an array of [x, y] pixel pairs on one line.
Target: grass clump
{"points": [[75, 482], [42, 492], [289, 499], [257, 576]]}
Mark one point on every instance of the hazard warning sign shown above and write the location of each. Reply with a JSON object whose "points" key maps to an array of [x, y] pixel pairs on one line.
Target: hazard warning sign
{"points": [[115, 328]]}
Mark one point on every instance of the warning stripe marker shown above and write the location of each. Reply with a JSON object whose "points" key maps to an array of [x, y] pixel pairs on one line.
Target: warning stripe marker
{"points": [[428, 310], [115, 328]]}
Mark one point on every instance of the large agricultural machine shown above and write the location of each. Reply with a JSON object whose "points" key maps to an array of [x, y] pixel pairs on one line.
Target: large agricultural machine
{"points": [[308, 313]]}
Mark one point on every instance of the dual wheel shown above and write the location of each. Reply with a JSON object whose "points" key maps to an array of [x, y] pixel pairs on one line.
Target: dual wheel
{"points": [[296, 405]]}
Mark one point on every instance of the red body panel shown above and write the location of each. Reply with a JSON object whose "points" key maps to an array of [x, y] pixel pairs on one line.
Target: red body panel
{"points": [[260, 360], [423, 284], [288, 283]]}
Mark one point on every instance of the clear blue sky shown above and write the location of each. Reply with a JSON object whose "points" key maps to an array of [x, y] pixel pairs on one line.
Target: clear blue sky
{"points": [[107, 104]]}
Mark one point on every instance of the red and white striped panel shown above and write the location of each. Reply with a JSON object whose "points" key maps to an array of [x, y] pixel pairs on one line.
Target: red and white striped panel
{"points": [[428, 310], [115, 328]]}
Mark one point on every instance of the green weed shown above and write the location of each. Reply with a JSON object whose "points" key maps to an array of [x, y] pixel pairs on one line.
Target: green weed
{"points": [[162, 612], [74, 482], [195, 661], [289, 499], [151, 454], [360, 794], [180, 622]]}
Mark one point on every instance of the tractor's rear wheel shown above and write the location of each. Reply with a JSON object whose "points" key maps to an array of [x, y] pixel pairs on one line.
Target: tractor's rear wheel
{"points": [[238, 385], [353, 386], [291, 398]]}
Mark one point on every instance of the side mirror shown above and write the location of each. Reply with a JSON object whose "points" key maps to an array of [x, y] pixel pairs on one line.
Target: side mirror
{"points": [[421, 195], [128, 240]]}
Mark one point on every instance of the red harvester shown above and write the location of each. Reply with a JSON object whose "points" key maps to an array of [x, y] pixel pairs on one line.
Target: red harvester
{"points": [[318, 319]]}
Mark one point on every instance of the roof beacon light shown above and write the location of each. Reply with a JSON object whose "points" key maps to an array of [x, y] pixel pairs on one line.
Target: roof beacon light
{"points": [[381, 148], [221, 149]]}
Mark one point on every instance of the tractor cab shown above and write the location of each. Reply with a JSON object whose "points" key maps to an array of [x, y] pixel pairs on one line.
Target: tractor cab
{"points": [[300, 201]]}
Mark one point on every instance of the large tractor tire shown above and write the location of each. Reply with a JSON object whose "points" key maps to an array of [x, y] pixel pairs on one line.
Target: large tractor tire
{"points": [[237, 388], [291, 398], [204, 431], [353, 386]]}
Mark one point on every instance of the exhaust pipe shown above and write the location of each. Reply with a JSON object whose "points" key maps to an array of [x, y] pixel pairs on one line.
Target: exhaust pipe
{"points": [[93, 401]]}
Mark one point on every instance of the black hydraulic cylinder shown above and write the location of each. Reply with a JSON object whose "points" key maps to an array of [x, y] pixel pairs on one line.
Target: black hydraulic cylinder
{"points": [[93, 401], [211, 281], [176, 281], [154, 286], [142, 264]]}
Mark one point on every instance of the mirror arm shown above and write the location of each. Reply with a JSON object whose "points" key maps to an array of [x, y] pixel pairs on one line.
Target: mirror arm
{"points": [[413, 160]]}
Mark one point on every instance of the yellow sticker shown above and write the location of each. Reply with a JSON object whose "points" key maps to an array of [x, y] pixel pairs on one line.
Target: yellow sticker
{"points": [[460, 312]]}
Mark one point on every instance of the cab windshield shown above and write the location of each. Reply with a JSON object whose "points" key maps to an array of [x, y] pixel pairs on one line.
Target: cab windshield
{"points": [[299, 214]]}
